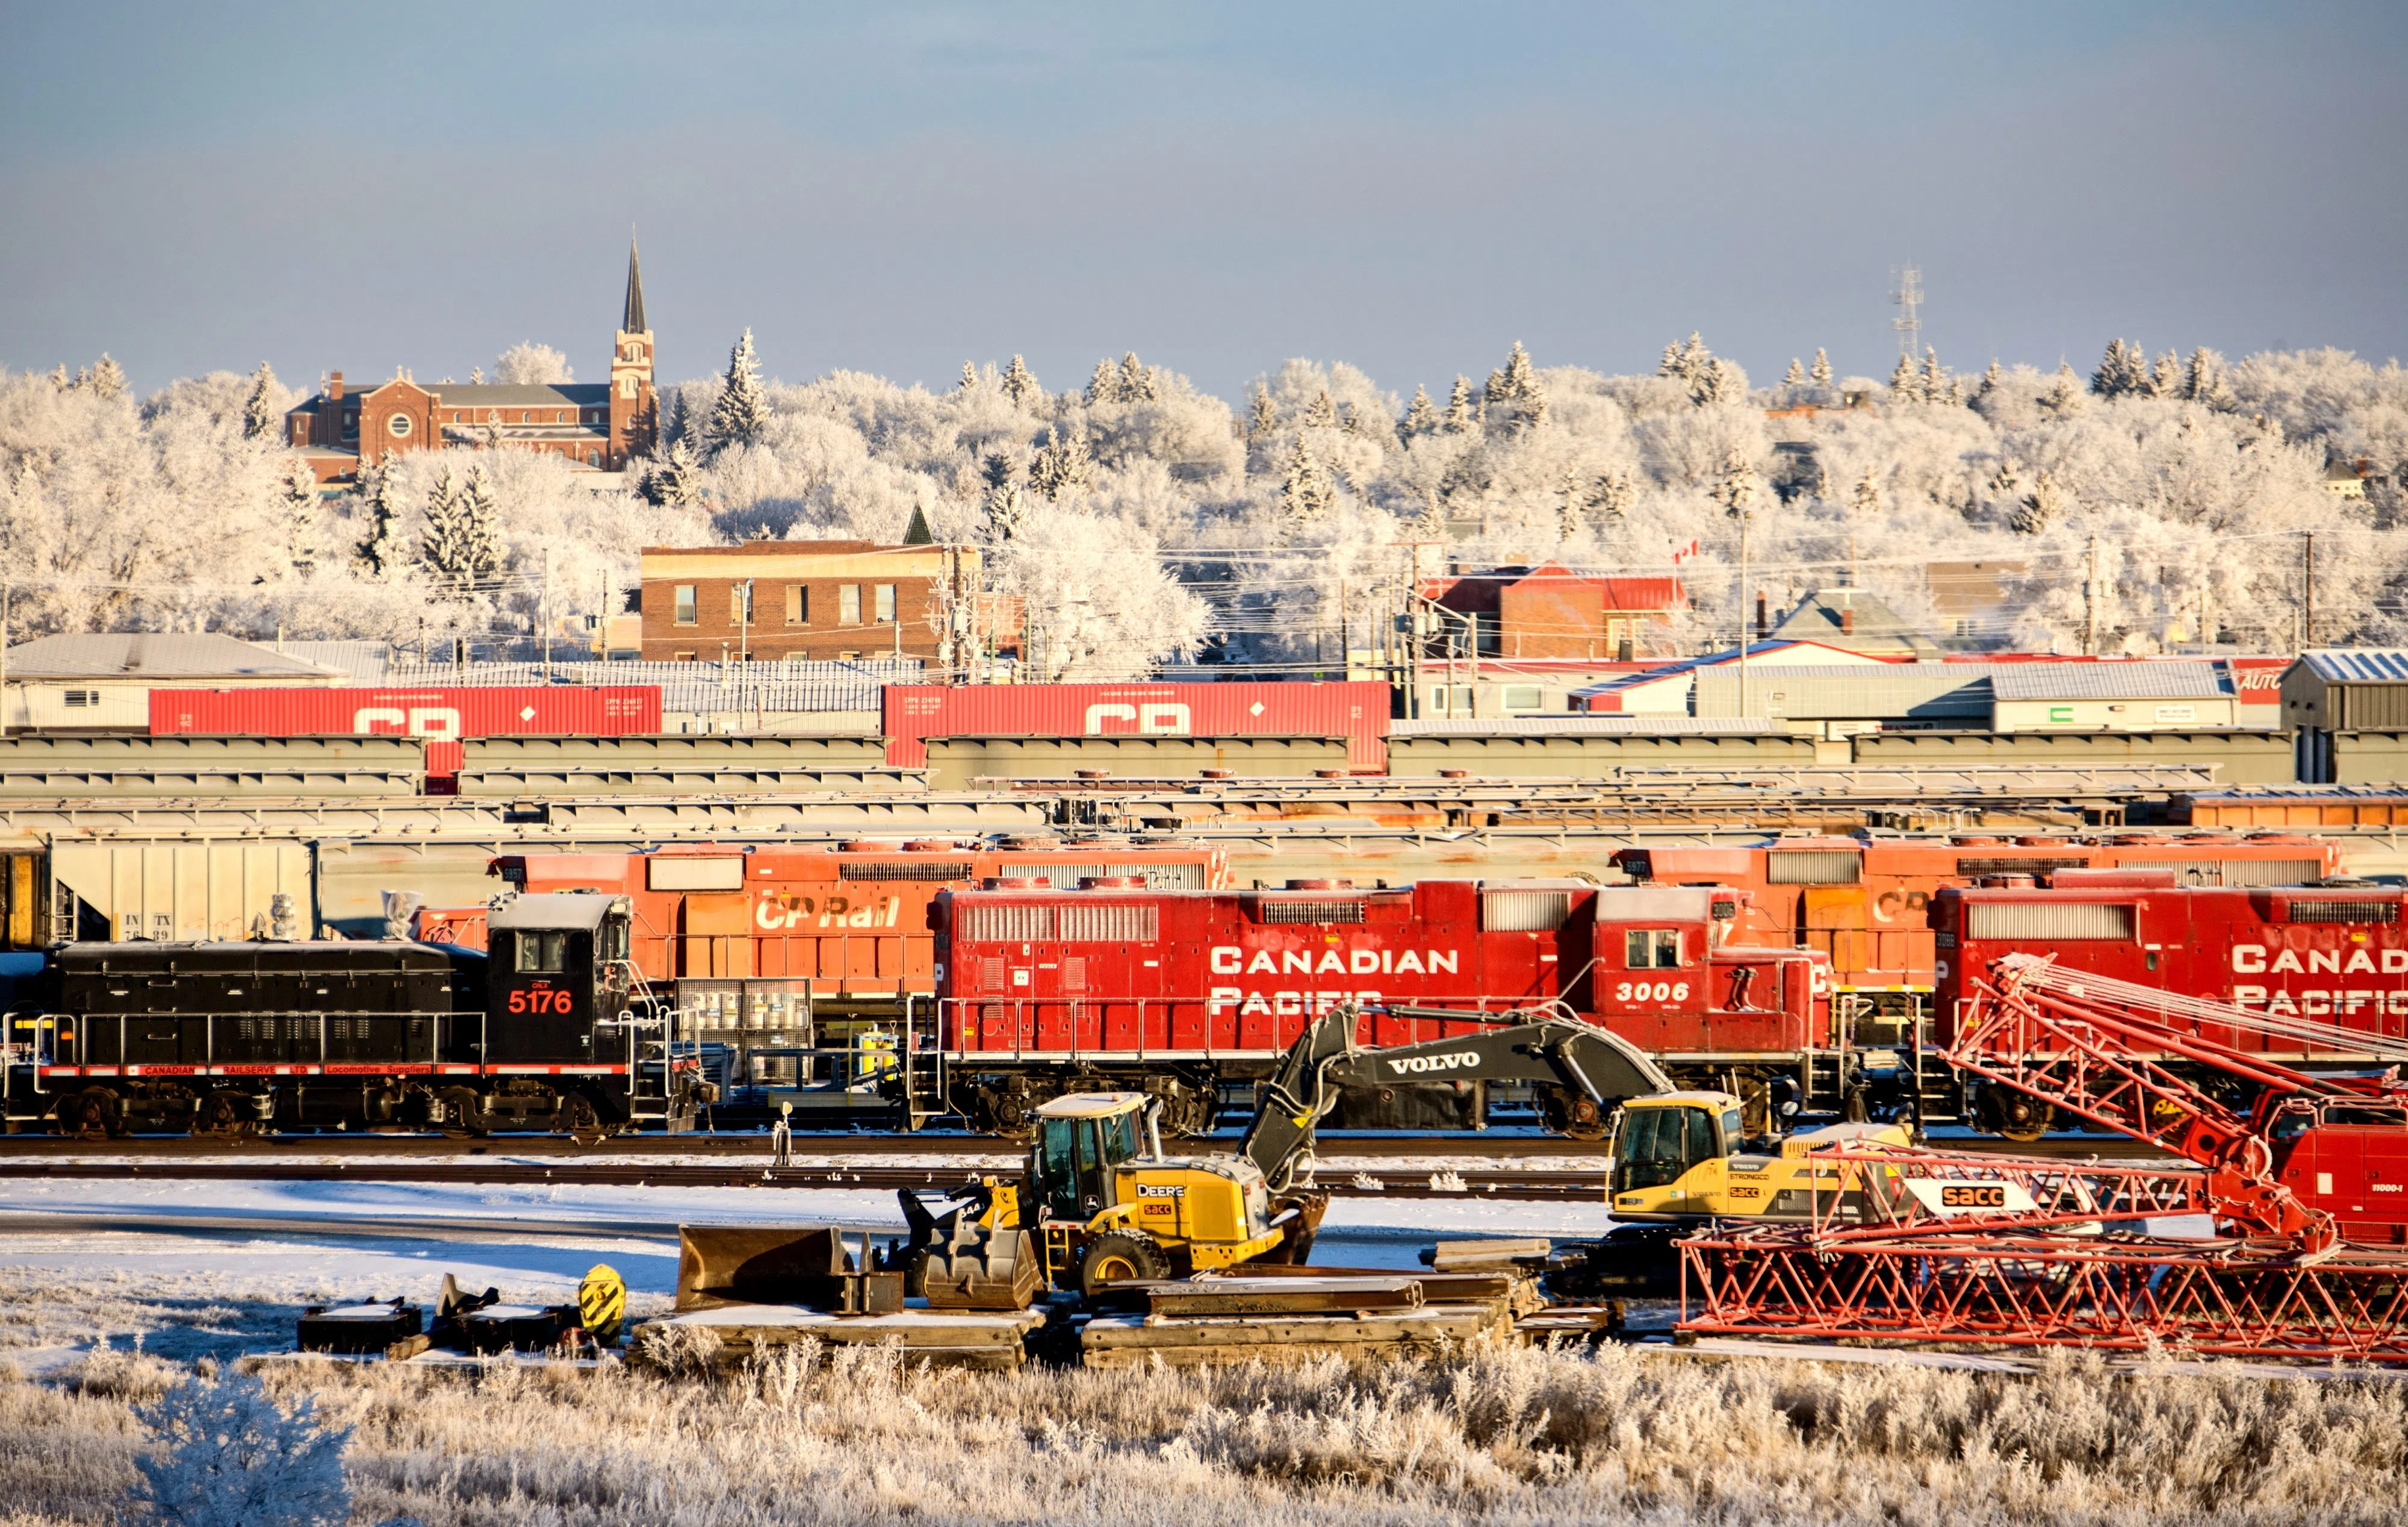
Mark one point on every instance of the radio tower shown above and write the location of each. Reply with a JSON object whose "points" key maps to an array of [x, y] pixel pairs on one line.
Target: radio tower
{"points": [[1908, 295]]}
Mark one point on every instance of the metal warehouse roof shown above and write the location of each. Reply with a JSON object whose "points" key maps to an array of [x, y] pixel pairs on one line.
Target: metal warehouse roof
{"points": [[156, 655], [1921, 691], [698, 687], [2148, 679], [1583, 724], [2359, 665]]}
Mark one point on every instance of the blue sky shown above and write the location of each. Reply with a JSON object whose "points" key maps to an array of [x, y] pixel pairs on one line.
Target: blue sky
{"points": [[1412, 188]]}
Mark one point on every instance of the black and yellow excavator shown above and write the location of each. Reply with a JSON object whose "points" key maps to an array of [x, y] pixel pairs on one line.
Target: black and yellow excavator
{"points": [[1100, 1203]]}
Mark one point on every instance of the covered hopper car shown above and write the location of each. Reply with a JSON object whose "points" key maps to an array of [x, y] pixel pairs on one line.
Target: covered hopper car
{"points": [[1046, 989], [541, 1031]]}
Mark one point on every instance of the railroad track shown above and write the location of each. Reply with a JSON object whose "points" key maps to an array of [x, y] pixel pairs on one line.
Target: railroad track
{"points": [[1581, 1186], [1345, 1179], [755, 1149]]}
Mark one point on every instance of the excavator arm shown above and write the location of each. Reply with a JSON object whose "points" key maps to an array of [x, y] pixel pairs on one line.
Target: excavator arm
{"points": [[1544, 1048]]}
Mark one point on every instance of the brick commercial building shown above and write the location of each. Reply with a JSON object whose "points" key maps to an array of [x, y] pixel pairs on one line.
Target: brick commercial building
{"points": [[599, 425], [814, 600], [1549, 613]]}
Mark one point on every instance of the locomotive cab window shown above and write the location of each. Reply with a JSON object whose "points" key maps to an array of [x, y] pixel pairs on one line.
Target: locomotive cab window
{"points": [[542, 954], [1652, 949]]}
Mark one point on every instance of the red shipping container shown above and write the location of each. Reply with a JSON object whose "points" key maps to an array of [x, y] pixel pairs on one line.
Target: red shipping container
{"points": [[438, 714], [1356, 711], [442, 717]]}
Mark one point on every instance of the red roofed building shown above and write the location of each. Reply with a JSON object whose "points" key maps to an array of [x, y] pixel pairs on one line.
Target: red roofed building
{"points": [[1552, 614]]}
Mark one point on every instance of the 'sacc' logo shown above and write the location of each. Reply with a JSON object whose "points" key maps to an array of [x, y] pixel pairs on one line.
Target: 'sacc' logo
{"points": [[1452, 1061], [1972, 1195]]}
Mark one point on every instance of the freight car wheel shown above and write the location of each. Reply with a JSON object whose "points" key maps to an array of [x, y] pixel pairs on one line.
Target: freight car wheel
{"points": [[90, 1116], [1573, 1116], [463, 1114], [226, 1115], [2015, 1114], [1120, 1256], [581, 1121]]}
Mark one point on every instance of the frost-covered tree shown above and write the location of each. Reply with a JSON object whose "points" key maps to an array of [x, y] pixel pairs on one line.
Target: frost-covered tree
{"points": [[1306, 494], [1796, 375], [527, 363], [742, 411], [1020, 386], [1003, 507], [2203, 379], [1737, 489], [1458, 405], [2166, 377], [1614, 495], [104, 380], [303, 542], [2041, 508], [673, 479], [1062, 464], [1864, 500], [1262, 415], [1420, 416], [2063, 398], [1105, 385], [226, 1456], [1905, 381], [1821, 372], [1137, 382], [970, 382], [383, 550], [459, 546], [259, 414]]}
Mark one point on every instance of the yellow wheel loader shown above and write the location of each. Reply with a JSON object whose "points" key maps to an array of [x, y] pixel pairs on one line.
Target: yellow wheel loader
{"points": [[1100, 1203]]}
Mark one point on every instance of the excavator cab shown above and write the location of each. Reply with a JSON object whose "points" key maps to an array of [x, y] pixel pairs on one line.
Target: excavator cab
{"points": [[1680, 1158], [1663, 1138]]}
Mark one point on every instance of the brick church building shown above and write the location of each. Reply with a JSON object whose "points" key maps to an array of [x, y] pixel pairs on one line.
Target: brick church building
{"points": [[597, 426]]}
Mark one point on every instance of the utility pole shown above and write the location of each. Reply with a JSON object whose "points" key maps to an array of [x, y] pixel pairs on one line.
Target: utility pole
{"points": [[547, 615], [1743, 643], [2091, 604], [744, 623], [2307, 587]]}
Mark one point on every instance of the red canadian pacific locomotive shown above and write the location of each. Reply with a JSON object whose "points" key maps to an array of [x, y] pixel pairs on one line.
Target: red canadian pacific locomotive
{"points": [[2334, 957], [1045, 990]]}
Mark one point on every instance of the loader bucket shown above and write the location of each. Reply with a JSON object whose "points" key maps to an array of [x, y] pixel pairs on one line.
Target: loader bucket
{"points": [[758, 1264], [977, 1269]]}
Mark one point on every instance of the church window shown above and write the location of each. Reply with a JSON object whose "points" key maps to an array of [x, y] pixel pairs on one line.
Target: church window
{"points": [[627, 386], [399, 426]]}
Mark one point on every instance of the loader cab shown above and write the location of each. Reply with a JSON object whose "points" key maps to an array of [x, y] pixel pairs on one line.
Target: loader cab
{"points": [[1663, 1137], [1081, 1138]]}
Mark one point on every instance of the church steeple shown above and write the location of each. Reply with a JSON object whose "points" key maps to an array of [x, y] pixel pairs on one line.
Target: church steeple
{"points": [[632, 415], [634, 321]]}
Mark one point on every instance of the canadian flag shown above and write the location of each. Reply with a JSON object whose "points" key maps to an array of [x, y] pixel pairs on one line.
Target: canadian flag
{"points": [[1682, 554]]}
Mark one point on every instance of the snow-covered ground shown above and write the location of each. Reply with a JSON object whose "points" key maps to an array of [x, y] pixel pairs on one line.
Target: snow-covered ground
{"points": [[224, 1265]]}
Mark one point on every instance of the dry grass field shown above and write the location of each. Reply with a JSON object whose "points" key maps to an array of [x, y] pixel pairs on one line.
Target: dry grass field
{"points": [[1503, 1437]]}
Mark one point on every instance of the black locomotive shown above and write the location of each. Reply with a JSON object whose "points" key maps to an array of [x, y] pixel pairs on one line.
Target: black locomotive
{"points": [[545, 1029]]}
